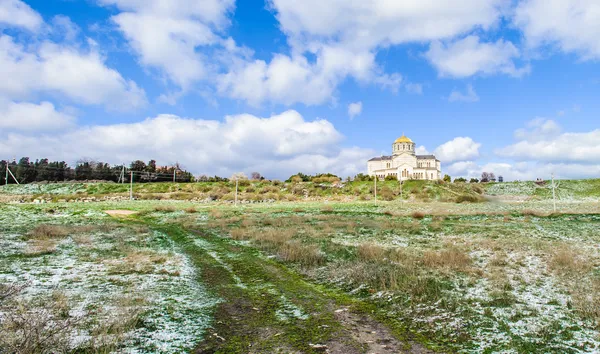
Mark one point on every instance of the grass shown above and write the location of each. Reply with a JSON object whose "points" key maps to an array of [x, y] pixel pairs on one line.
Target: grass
{"points": [[482, 277]]}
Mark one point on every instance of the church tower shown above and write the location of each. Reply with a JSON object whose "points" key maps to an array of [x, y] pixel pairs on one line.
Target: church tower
{"points": [[403, 145]]}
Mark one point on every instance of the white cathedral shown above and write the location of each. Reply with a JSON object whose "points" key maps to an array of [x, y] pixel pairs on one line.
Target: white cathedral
{"points": [[405, 164]]}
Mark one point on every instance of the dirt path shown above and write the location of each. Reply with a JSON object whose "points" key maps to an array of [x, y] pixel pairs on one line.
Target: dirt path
{"points": [[268, 308]]}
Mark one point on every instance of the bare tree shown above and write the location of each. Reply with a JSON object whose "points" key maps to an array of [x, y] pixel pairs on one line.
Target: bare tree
{"points": [[255, 176], [485, 177]]}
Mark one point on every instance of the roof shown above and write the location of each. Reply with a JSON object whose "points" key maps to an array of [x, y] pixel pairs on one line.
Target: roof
{"points": [[381, 158], [426, 157], [403, 139]]}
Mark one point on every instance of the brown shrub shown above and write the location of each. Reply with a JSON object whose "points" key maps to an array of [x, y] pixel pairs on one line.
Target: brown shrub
{"points": [[371, 252], [567, 260], [530, 212], [191, 210], [327, 209], [215, 213], [273, 236], [164, 208], [418, 215], [452, 259], [239, 234], [48, 231], [307, 255]]}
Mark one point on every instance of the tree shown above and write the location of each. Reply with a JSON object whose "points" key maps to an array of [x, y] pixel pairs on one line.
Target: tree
{"points": [[492, 177], [460, 180], [390, 178], [485, 177], [256, 176], [474, 180], [151, 166], [238, 176], [447, 178], [362, 177]]}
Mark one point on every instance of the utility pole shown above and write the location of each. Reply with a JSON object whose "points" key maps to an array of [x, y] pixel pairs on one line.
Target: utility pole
{"points": [[553, 193], [174, 170], [122, 177], [375, 190], [236, 191], [6, 177], [13, 176], [130, 185]]}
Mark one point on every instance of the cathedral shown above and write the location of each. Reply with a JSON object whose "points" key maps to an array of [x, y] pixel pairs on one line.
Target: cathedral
{"points": [[405, 164]]}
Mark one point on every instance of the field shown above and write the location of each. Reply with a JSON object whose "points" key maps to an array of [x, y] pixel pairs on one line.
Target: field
{"points": [[333, 273]]}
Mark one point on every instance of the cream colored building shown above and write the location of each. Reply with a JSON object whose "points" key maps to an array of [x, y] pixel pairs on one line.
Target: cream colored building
{"points": [[405, 164]]}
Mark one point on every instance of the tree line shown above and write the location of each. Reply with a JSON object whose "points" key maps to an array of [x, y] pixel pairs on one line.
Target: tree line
{"points": [[43, 170]]}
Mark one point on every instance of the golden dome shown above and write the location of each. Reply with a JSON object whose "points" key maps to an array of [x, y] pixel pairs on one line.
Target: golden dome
{"points": [[403, 139]]}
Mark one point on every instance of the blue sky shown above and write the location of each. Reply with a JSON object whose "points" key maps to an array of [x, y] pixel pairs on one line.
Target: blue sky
{"points": [[223, 86]]}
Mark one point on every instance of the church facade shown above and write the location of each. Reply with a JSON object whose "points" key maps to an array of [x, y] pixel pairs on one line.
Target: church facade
{"points": [[405, 164]]}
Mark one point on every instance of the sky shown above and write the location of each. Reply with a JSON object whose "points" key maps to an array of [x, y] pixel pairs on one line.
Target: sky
{"points": [[284, 86]]}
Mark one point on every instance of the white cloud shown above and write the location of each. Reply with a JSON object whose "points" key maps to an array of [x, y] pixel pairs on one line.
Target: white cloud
{"points": [[469, 96], [469, 56], [167, 35], [572, 26], [523, 171], [16, 13], [293, 79], [538, 129], [29, 116], [543, 141], [457, 149], [422, 150], [80, 75], [362, 24], [277, 146], [354, 109], [414, 88]]}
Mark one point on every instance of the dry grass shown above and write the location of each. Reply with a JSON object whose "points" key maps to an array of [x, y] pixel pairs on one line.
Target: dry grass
{"points": [[138, 261], [215, 213], [567, 260], [371, 252], [165, 209], [191, 210], [327, 209], [295, 251], [452, 258], [273, 236], [48, 232], [418, 215], [586, 300]]}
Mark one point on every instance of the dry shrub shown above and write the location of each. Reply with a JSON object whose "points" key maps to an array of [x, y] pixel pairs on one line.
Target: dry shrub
{"points": [[47, 232], [141, 262], [418, 215], [239, 234], [327, 209], [567, 260], [499, 259], [307, 255], [449, 259], [164, 209], [247, 223], [435, 226], [586, 300], [371, 252], [191, 210], [386, 193], [274, 236], [215, 213], [530, 212], [298, 210], [34, 327]]}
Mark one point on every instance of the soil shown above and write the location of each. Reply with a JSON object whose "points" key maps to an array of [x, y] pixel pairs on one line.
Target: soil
{"points": [[120, 213]]}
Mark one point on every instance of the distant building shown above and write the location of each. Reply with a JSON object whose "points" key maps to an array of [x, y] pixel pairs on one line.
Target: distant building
{"points": [[500, 179], [405, 164]]}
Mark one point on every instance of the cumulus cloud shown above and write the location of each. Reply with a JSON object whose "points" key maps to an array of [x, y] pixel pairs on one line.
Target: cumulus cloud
{"points": [[523, 171], [277, 146], [354, 109], [345, 37], [16, 13], [572, 26], [421, 150], [79, 75], [458, 149], [469, 56], [293, 79], [542, 140], [469, 96], [166, 35], [381, 22], [26, 116]]}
